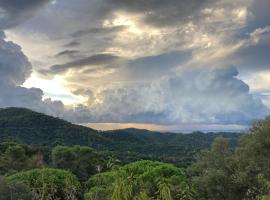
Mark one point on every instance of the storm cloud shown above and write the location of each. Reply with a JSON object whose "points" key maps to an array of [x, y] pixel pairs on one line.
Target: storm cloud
{"points": [[14, 70], [99, 59], [209, 96], [156, 61], [15, 12], [15, 67]]}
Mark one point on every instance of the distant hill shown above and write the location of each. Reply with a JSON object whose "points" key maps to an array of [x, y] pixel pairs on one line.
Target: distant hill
{"points": [[29, 127]]}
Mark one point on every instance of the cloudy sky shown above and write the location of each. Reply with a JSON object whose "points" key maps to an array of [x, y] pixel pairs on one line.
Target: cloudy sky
{"points": [[175, 65]]}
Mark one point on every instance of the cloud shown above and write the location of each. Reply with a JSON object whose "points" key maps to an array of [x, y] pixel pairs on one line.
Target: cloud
{"points": [[14, 70], [209, 96], [141, 61], [72, 44], [253, 55], [15, 67], [70, 53], [259, 17], [100, 30], [99, 59], [160, 13], [15, 12]]}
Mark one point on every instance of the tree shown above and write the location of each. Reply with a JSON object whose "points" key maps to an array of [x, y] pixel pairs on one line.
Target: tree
{"points": [[220, 173], [14, 191], [212, 172], [48, 183], [12, 158], [253, 159], [142, 180], [82, 161]]}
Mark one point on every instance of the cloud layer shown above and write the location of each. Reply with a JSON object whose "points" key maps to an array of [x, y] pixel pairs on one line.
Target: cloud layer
{"points": [[213, 96], [160, 62], [15, 12]]}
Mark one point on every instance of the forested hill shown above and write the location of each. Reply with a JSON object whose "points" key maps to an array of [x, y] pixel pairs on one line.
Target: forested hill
{"points": [[28, 127]]}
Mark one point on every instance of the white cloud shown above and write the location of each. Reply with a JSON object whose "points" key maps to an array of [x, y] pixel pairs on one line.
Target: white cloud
{"points": [[197, 96]]}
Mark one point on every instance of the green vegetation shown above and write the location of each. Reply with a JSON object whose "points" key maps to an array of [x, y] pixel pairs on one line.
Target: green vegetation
{"points": [[82, 161], [128, 145], [140, 180], [243, 173], [48, 183], [16, 157], [224, 170], [14, 191]]}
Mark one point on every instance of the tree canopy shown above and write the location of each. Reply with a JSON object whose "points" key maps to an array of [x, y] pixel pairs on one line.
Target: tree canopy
{"points": [[243, 173], [140, 180], [48, 183]]}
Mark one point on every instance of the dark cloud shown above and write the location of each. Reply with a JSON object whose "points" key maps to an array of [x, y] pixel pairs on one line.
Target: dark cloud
{"points": [[14, 12], [32, 98], [99, 59], [70, 53], [14, 65], [162, 13], [254, 58], [101, 30], [260, 14], [142, 68], [72, 44], [14, 70]]}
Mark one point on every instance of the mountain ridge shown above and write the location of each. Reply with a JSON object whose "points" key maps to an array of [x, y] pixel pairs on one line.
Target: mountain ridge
{"points": [[28, 127]]}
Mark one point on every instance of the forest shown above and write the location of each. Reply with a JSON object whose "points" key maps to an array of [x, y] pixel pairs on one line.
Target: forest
{"points": [[42, 157]]}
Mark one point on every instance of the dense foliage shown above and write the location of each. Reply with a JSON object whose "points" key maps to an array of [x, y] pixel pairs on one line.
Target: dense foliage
{"points": [[243, 173], [14, 191], [140, 180], [16, 157], [223, 171], [128, 145], [82, 161], [48, 183]]}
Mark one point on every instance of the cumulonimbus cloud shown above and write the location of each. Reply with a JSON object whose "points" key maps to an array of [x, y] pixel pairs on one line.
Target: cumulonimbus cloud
{"points": [[162, 96], [198, 96]]}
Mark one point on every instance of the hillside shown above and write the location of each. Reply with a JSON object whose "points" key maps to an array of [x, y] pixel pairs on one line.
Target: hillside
{"points": [[28, 127]]}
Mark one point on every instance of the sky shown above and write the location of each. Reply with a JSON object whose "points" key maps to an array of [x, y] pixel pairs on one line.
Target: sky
{"points": [[169, 65]]}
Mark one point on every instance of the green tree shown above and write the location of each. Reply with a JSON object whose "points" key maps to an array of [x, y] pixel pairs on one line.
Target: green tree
{"points": [[16, 157], [48, 183], [14, 191], [253, 161], [13, 158], [142, 180], [220, 173], [212, 172], [82, 161]]}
